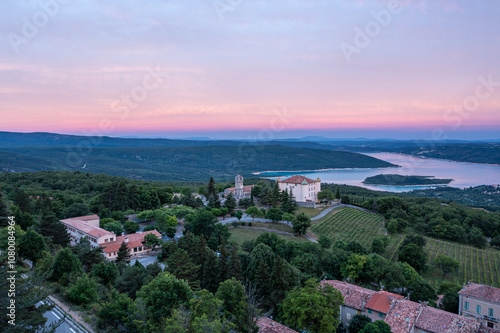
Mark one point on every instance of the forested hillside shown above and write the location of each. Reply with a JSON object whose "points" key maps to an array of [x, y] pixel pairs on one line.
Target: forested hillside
{"points": [[182, 163]]}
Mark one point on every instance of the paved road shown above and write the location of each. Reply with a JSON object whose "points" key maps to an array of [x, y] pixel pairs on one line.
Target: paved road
{"points": [[66, 327], [146, 261]]}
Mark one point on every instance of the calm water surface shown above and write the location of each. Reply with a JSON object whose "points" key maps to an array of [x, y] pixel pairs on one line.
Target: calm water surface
{"points": [[463, 174]]}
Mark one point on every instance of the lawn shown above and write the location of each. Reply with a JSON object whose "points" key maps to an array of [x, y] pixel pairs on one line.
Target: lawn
{"points": [[240, 235], [310, 212]]}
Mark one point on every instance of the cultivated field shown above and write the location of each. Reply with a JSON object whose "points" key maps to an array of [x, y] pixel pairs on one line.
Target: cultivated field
{"points": [[350, 224]]}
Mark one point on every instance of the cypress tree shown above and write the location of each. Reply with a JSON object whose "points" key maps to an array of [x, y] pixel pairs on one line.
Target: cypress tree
{"points": [[123, 253], [180, 265], [223, 263], [210, 268], [235, 269], [54, 230]]}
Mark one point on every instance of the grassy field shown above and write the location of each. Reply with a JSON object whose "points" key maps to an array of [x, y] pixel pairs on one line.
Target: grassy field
{"points": [[310, 212], [350, 224], [479, 266], [240, 235]]}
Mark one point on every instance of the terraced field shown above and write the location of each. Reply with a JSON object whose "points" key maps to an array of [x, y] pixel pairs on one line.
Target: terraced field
{"points": [[350, 224]]}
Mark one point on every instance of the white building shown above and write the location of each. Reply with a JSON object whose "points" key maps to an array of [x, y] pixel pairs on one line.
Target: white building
{"points": [[304, 189], [239, 191], [87, 227]]}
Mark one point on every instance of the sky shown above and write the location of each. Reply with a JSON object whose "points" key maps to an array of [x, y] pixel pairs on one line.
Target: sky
{"points": [[265, 69]]}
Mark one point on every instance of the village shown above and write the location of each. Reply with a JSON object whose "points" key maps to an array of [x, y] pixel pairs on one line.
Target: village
{"points": [[479, 305]]}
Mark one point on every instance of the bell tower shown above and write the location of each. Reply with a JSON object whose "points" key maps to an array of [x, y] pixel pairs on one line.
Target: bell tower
{"points": [[238, 186]]}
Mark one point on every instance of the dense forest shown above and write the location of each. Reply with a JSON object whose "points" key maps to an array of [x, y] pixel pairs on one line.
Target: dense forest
{"points": [[399, 180], [209, 281]]}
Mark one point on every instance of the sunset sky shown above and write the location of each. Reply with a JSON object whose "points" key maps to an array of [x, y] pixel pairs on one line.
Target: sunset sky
{"points": [[249, 68]]}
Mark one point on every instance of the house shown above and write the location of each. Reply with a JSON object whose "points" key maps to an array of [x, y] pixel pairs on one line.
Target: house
{"points": [[304, 189], [88, 227], [239, 191], [403, 315], [267, 325], [380, 304], [135, 243], [355, 299], [481, 302]]}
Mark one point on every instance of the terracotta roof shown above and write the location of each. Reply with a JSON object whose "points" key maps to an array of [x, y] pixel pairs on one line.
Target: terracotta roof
{"points": [[403, 316], [439, 321], [88, 217], [297, 179], [382, 301], [246, 188], [134, 240], [354, 296], [267, 325], [481, 291], [80, 224]]}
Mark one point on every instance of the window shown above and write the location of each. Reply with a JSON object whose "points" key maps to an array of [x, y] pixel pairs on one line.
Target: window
{"points": [[369, 310], [478, 308], [466, 305], [381, 315], [490, 312]]}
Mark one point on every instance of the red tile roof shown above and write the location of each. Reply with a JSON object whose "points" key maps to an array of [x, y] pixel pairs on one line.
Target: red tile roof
{"points": [[439, 321], [481, 291], [354, 296], [267, 325], [80, 224], [246, 188], [485, 329], [403, 316], [134, 240], [297, 179], [382, 301]]}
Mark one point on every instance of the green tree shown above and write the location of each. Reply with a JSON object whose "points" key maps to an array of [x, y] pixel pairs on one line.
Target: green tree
{"points": [[164, 294], [131, 227], [54, 230], [29, 310], [358, 322], [65, 265], [238, 215], [230, 203], [325, 242], [337, 193], [320, 318], [123, 253], [10, 231], [234, 267], [379, 326], [234, 305], [346, 200], [202, 224], [253, 212], [83, 291], [180, 265], [131, 279], [32, 246], [476, 238], [421, 290], [105, 272], [119, 313], [451, 302], [301, 224], [4, 211], [379, 244], [354, 266], [414, 256], [87, 255], [152, 240], [115, 227], [274, 214], [446, 264]]}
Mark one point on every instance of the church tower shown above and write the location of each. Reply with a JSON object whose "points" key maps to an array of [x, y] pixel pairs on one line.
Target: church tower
{"points": [[238, 186]]}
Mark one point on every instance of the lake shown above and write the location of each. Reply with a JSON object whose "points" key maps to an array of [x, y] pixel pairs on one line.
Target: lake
{"points": [[463, 174]]}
